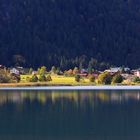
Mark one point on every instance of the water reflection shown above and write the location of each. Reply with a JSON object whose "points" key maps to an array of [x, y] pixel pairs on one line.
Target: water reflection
{"points": [[69, 115], [78, 97]]}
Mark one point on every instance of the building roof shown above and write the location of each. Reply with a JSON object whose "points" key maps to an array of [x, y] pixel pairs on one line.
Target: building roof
{"points": [[115, 69], [14, 71]]}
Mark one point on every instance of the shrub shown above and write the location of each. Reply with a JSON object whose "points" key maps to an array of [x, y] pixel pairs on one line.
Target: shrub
{"points": [[5, 77], [117, 79], [104, 78], [77, 78], [92, 78], [136, 80], [42, 78], [15, 78], [48, 78], [34, 78]]}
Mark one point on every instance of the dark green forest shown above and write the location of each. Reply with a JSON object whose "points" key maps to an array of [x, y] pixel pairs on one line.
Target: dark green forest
{"points": [[69, 33]]}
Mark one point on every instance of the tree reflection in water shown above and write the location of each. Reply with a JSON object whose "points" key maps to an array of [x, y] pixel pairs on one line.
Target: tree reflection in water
{"points": [[77, 97]]}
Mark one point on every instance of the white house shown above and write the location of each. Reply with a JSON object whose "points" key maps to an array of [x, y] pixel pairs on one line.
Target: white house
{"points": [[114, 70], [14, 71], [117, 69], [137, 73]]}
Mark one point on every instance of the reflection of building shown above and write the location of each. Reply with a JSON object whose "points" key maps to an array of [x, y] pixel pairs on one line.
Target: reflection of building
{"points": [[68, 95], [134, 96], [115, 97]]}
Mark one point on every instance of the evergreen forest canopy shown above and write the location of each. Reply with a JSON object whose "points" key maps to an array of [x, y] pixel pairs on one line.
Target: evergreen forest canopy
{"points": [[69, 33]]}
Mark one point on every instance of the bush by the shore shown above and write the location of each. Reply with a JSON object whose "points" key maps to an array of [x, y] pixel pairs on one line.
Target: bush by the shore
{"points": [[77, 78], [105, 78], [34, 78], [42, 78], [48, 78], [92, 78], [117, 79], [136, 80]]}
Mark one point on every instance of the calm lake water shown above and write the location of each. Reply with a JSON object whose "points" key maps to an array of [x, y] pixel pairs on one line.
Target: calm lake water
{"points": [[70, 115]]}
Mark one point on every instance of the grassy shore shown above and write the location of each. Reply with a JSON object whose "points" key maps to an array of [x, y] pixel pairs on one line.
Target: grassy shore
{"points": [[60, 80], [56, 81]]}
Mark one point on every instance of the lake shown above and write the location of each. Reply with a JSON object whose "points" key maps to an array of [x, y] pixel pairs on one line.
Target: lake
{"points": [[70, 115]]}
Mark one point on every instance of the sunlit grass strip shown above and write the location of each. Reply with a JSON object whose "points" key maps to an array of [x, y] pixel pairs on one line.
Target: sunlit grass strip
{"points": [[56, 81]]}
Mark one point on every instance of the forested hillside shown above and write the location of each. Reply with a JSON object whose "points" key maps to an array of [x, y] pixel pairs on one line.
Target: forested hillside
{"points": [[67, 32]]}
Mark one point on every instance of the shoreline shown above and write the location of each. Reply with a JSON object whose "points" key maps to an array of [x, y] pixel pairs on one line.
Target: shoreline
{"points": [[46, 84], [49, 86]]}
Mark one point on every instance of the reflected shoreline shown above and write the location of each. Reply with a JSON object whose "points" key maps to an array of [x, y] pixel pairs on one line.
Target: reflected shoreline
{"points": [[78, 97]]}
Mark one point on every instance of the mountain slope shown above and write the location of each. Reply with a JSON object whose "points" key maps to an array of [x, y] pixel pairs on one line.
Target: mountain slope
{"points": [[56, 32]]}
